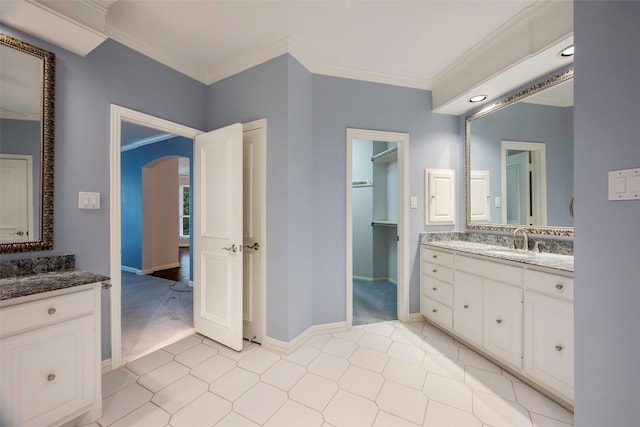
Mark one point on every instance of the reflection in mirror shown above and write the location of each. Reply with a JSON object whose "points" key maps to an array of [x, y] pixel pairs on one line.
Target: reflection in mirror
{"points": [[26, 146], [520, 161]]}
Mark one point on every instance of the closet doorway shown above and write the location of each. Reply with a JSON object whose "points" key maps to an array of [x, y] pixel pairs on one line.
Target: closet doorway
{"points": [[377, 185]]}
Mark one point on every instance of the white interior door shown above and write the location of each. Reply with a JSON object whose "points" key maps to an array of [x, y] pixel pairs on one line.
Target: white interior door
{"points": [[217, 227], [15, 202]]}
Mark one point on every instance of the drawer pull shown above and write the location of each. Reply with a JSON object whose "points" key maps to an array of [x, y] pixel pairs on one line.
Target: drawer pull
{"points": [[51, 377], [558, 348], [52, 310], [435, 289], [498, 321], [466, 306], [559, 286], [435, 271], [435, 256], [434, 310]]}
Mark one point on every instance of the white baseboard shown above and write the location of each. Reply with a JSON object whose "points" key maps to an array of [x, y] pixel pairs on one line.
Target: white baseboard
{"points": [[415, 317], [131, 269], [289, 347], [106, 366]]}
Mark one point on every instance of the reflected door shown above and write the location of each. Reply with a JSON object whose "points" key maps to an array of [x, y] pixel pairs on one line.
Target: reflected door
{"points": [[15, 203]]}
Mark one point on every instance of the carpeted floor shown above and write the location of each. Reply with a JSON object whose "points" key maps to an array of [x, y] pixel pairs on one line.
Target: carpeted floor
{"points": [[374, 301], [154, 312]]}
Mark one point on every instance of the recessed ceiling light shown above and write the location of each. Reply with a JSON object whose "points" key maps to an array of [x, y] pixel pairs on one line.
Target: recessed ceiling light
{"points": [[478, 98], [567, 51]]}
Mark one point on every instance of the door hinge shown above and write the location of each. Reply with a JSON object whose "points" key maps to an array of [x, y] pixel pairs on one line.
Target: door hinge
{"points": [[106, 285]]}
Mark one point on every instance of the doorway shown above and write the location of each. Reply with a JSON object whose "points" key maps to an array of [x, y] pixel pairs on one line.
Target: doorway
{"points": [[377, 189], [255, 296]]}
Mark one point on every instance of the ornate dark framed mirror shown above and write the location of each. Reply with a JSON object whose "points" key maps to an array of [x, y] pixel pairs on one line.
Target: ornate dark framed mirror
{"points": [[519, 161], [27, 94]]}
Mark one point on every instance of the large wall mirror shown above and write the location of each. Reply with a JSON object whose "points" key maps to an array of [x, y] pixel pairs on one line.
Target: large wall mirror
{"points": [[27, 86], [519, 161]]}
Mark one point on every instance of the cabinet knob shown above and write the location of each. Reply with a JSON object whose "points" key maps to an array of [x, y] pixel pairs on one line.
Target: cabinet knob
{"points": [[435, 256], [558, 348], [434, 310], [498, 321], [559, 286], [466, 306], [51, 377], [435, 289], [51, 311], [435, 270]]}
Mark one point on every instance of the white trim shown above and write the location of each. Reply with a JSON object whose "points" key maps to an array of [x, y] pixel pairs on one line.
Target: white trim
{"points": [[118, 115], [402, 139], [130, 269], [29, 159], [285, 347], [146, 141], [106, 366], [415, 317]]}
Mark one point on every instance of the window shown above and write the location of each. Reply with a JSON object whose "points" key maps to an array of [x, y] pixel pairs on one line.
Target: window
{"points": [[185, 218]]}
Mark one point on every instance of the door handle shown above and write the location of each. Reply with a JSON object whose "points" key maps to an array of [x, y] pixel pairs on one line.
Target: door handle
{"points": [[233, 248], [255, 246], [19, 233]]}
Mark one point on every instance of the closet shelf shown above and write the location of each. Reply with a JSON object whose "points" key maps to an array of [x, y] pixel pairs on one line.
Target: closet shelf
{"points": [[386, 156], [384, 224]]}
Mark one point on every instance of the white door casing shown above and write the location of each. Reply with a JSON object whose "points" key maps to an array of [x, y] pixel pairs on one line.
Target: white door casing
{"points": [[217, 235], [16, 206]]}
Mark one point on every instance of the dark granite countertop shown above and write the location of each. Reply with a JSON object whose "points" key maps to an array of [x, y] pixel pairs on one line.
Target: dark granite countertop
{"points": [[22, 286], [549, 260]]}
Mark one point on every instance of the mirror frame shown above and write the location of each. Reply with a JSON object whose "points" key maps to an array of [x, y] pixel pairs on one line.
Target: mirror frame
{"points": [[554, 231], [45, 241]]}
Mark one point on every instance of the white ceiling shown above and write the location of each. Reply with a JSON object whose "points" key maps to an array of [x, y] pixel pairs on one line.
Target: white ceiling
{"points": [[408, 43]]}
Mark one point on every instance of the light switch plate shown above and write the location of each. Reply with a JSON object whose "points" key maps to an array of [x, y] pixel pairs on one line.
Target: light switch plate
{"points": [[624, 184], [87, 200], [414, 202]]}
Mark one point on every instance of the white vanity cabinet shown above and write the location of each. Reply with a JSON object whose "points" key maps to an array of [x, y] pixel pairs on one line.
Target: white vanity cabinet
{"points": [[548, 326], [468, 307], [50, 353], [436, 286], [503, 321]]}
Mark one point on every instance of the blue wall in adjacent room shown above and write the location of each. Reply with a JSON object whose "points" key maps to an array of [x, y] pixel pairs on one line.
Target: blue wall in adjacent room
{"points": [[607, 271], [132, 162]]}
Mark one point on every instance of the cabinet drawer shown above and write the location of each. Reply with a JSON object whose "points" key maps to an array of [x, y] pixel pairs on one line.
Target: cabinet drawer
{"points": [[490, 269], [438, 312], [437, 257], [23, 317], [439, 272], [437, 290], [550, 284]]}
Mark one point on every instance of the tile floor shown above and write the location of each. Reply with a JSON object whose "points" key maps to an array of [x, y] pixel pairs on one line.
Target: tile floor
{"points": [[382, 374]]}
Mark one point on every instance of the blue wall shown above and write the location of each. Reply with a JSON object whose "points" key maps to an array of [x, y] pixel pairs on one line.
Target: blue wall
{"points": [[23, 137], [607, 271], [529, 123], [131, 165]]}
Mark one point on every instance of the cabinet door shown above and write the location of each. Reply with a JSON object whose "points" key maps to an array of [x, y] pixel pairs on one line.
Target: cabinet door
{"points": [[503, 321], [548, 343], [440, 188], [468, 306], [48, 373]]}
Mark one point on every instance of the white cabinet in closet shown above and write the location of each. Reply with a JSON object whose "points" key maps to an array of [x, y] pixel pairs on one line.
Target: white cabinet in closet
{"points": [[548, 326], [436, 286], [50, 351]]}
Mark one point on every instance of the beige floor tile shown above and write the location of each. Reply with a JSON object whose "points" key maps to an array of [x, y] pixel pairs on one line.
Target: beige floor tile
{"points": [[148, 415], [260, 402], [149, 362], [294, 413], [440, 415], [313, 391], [405, 373], [247, 349], [179, 394], [385, 419], [489, 382], [318, 340], [369, 359], [259, 360], [123, 402], [406, 352], [407, 336], [449, 391], [303, 355], [348, 410], [283, 374], [206, 410], [438, 346], [182, 345], [233, 419], [352, 335], [234, 383], [443, 365], [497, 412], [339, 347], [117, 380], [161, 377], [536, 402], [383, 328], [213, 368], [402, 401], [430, 331], [375, 342], [362, 382], [196, 355], [471, 358], [542, 421], [328, 366]]}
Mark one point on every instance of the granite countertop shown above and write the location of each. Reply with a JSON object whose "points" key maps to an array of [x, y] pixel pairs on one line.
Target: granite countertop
{"points": [[15, 287], [542, 259]]}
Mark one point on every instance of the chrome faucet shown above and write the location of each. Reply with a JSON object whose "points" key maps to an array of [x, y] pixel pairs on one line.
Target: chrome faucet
{"points": [[525, 243]]}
